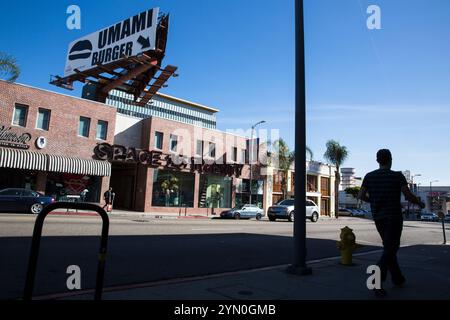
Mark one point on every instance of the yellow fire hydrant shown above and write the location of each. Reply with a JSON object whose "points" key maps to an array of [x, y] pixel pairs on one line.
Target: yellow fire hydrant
{"points": [[347, 245]]}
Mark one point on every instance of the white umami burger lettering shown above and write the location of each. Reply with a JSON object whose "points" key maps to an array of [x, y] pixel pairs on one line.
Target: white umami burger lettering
{"points": [[125, 28], [112, 54]]}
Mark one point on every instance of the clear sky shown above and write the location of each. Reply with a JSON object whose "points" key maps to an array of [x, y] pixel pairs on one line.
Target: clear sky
{"points": [[368, 89]]}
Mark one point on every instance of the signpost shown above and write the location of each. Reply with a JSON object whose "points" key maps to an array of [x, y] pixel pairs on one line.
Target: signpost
{"points": [[127, 38], [442, 217]]}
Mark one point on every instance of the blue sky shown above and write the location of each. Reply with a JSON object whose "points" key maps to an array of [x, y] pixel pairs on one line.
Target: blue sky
{"points": [[368, 89]]}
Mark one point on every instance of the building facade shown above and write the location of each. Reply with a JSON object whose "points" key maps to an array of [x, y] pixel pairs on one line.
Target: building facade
{"points": [[320, 181], [46, 142], [196, 168]]}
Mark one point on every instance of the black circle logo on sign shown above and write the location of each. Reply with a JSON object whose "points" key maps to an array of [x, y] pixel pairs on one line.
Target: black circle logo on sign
{"points": [[80, 50]]}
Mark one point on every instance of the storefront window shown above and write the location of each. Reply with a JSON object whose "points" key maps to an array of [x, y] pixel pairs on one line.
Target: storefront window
{"points": [[173, 189], [243, 192], [215, 192], [67, 186]]}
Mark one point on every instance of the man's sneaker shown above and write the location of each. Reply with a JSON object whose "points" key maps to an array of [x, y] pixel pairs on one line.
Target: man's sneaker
{"points": [[380, 292]]}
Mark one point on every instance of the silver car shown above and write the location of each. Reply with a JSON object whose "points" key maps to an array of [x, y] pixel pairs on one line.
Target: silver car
{"points": [[246, 211], [285, 210]]}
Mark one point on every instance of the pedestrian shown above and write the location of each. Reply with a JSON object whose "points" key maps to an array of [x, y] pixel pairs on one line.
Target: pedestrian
{"points": [[382, 188], [83, 195], [109, 198]]}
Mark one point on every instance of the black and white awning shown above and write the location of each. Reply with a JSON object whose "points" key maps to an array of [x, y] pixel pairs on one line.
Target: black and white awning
{"points": [[78, 166], [21, 159], [29, 160]]}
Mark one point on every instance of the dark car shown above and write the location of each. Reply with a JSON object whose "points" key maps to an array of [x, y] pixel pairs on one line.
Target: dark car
{"points": [[23, 200]]}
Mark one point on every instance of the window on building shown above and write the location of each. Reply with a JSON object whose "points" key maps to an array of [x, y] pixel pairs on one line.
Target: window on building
{"points": [[83, 127], [20, 115], [212, 149], [325, 186], [244, 156], [199, 148], [43, 119], [234, 154], [173, 145], [102, 130], [159, 136]]}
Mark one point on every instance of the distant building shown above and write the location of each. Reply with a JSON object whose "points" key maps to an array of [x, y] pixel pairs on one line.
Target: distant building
{"points": [[348, 179], [437, 199], [320, 181]]}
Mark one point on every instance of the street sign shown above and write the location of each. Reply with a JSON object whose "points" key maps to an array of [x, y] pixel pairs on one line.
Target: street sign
{"points": [[127, 38]]}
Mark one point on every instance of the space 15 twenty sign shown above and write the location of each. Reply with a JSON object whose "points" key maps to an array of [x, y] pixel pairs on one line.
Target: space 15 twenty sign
{"points": [[129, 37], [156, 159]]}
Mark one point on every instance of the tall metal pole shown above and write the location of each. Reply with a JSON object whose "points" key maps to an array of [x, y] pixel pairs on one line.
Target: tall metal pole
{"points": [[251, 164], [299, 266]]}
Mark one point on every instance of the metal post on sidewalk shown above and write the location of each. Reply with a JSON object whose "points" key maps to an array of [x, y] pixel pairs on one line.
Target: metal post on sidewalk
{"points": [[299, 266], [442, 217], [443, 230]]}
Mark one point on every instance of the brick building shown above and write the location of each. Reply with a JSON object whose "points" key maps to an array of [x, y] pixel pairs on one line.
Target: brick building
{"points": [[47, 142], [198, 170]]}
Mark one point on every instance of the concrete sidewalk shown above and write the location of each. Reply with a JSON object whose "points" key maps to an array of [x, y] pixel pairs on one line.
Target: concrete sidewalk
{"points": [[426, 268]]}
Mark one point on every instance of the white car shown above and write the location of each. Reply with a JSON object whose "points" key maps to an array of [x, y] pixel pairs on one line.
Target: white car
{"points": [[285, 210]]}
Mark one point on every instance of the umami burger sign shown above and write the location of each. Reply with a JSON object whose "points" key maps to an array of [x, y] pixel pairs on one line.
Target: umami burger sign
{"points": [[156, 159]]}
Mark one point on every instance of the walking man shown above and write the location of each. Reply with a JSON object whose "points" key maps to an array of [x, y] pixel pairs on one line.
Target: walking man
{"points": [[382, 188], [109, 198]]}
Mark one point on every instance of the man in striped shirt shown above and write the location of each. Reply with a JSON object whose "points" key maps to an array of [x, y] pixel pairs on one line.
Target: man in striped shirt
{"points": [[382, 188]]}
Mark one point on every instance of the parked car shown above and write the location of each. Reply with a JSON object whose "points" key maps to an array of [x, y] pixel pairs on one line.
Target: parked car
{"points": [[358, 213], [246, 211], [345, 212], [429, 216], [285, 210], [23, 200], [447, 217]]}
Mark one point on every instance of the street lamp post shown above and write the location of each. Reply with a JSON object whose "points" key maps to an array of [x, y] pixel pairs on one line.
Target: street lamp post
{"points": [[299, 266], [251, 157], [412, 180]]}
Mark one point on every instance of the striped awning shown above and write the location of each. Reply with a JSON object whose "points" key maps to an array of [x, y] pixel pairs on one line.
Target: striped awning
{"points": [[78, 166], [21, 159]]}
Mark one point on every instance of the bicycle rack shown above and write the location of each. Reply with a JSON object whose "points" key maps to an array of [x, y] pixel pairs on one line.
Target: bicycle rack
{"points": [[36, 240]]}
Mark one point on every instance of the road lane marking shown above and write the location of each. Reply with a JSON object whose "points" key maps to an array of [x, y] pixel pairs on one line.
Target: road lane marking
{"points": [[217, 229]]}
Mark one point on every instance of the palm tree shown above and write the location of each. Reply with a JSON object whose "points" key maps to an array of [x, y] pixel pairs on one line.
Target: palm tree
{"points": [[336, 155], [286, 158], [8, 67]]}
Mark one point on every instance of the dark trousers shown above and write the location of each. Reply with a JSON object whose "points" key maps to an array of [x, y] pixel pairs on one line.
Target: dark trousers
{"points": [[390, 230]]}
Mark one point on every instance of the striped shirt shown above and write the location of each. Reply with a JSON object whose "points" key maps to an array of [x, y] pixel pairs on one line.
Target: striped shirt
{"points": [[384, 188]]}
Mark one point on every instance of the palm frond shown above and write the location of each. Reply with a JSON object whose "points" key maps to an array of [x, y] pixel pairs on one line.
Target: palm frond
{"points": [[8, 67]]}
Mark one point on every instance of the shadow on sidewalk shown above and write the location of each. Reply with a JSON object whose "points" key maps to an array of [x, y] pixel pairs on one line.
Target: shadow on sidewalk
{"points": [[137, 259]]}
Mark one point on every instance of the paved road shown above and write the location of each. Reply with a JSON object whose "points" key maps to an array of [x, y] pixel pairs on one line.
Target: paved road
{"points": [[145, 250]]}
